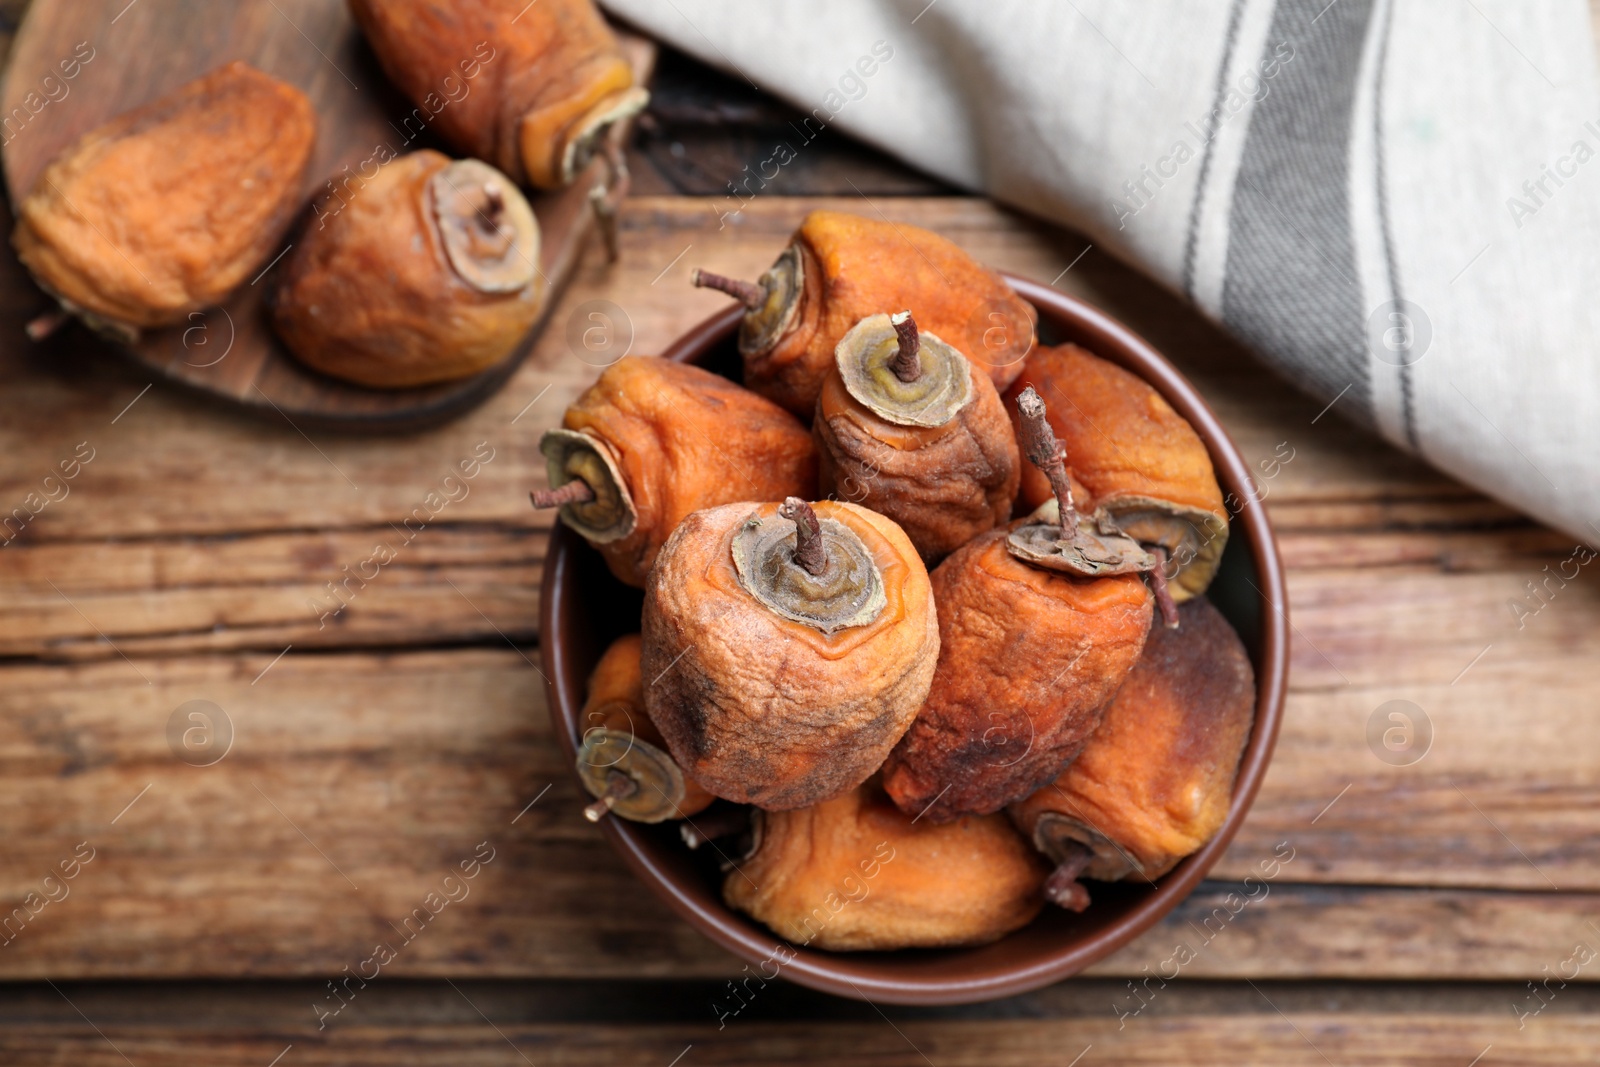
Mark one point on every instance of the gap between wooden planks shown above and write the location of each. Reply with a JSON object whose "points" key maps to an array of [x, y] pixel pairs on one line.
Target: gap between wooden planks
{"points": [[656, 1024]]}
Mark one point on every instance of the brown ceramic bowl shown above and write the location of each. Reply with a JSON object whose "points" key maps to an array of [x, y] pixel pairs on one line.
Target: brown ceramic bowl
{"points": [[583, 608]]}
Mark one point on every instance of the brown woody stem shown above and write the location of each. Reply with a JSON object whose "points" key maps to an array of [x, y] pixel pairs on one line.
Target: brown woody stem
{"points": [[1044, 451], [1158, 586], [809, 551], [45, 325], [576, 491], [714, 823], [1062, 888], [747, 293], [618, 786], [905, 365]]}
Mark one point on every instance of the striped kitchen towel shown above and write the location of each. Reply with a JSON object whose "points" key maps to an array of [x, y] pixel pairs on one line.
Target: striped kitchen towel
{"points": [[1391, 201]]}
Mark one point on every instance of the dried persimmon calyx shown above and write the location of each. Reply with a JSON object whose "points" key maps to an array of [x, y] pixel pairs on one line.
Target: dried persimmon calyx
{"points": [[771, 303], [808, 570], [488, 231], [629, 776], [1066, 539], [602, 509], [901, 375], [589, 134], [1095, 549]]}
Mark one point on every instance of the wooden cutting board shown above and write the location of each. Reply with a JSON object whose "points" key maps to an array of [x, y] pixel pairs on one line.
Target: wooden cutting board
{"points": [[120, 55]]}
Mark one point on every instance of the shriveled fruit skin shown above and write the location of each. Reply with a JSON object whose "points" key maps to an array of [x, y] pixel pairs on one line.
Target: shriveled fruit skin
{"points": [[1154, 783], [687, 439], [1028, 659], [857, 267], [166, 209], [855, 873], [615, 701], [369, 294], [764, 710], [506, 81], [1139, 459], [944, 485]]}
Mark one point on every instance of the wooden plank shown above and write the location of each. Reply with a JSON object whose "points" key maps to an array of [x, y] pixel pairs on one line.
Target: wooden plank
{"points": [[1309, 1038], [354, 782]]}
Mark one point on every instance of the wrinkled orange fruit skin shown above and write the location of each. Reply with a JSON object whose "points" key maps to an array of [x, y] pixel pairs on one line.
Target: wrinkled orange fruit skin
{"points": [[1028, 659], [687, 439], [537, 69], [1157, 777], [944, 485], [854, 873], [1122, 437], [168, 208], [616, 702], [369, 294], [763, 710], [857, 267]]}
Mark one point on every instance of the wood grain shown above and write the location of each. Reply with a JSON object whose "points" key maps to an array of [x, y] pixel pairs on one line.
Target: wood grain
{"points": [[354, 782], [1312, 1038], [136, 53]]}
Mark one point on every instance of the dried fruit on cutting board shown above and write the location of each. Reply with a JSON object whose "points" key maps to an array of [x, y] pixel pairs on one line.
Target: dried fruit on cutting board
{"points": [[1038, 626], [855, 873], [622, 759], [1155, 781], [1147, 470], [840, 268], [653, 440], [428, 275], [908, 427], [789, 647], [534, 88], [166, 209]]}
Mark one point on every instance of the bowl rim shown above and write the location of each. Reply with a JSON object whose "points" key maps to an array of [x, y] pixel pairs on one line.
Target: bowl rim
{"points": [[841, 973]]}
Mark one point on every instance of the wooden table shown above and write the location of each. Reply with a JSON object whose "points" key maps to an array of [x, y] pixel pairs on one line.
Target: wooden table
{"points": [[371, 751]]}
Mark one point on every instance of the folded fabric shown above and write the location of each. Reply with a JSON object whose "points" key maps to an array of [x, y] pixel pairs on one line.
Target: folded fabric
{"points": [[1393, 202]]}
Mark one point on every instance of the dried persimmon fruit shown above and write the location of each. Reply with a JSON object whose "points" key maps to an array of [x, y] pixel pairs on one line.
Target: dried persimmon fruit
{"points": [[653, 440], [908, 427], [1149, 473], [788, 646], [1155, 781], [168, 208], [1038, 625], [855, 873], [622, 759], [840, 268], [427, 275], [534, 88]]}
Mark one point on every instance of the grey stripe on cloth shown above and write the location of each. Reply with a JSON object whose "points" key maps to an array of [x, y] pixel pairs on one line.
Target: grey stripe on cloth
{"points": [[1408, 418], [1291, 289], [1206, 149]]}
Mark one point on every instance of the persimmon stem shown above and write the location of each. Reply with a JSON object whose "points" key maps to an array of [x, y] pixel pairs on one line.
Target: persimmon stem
{"points": [[46, 324], [1158, 586], [747, 293], [715, 823], [618, 787], [1044, 451], [576, 491], [1062, 888], [809, 551], [906, 364]]}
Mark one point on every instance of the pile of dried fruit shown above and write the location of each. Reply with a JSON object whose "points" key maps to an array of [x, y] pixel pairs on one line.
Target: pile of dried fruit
{"points": [[904, 757], [423, 271]]}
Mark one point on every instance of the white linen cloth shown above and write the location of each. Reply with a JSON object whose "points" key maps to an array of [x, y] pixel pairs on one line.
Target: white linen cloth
{"points": [[1394, 202]]}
